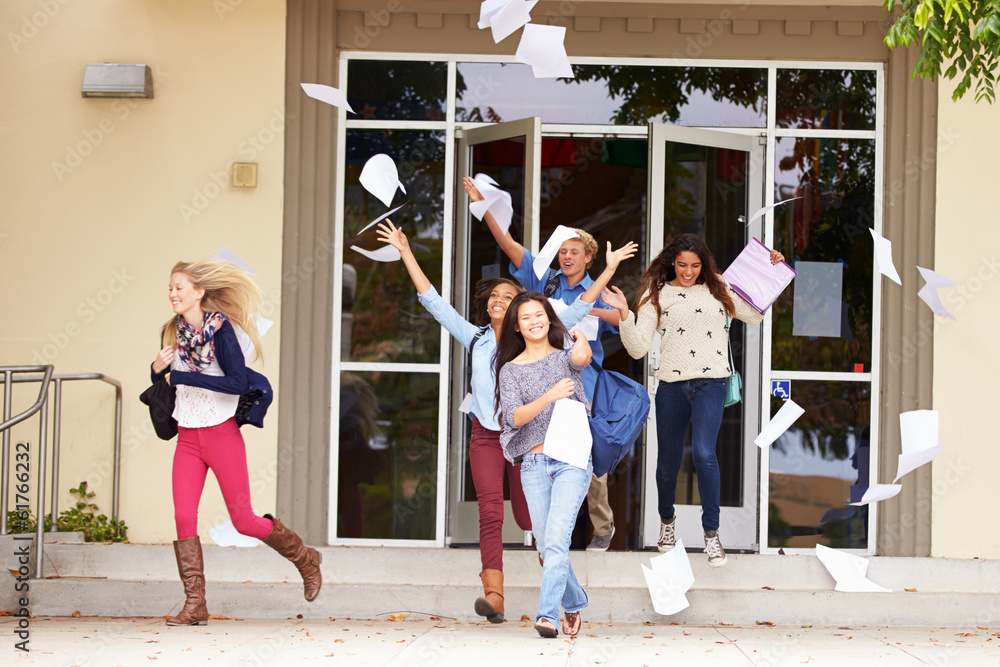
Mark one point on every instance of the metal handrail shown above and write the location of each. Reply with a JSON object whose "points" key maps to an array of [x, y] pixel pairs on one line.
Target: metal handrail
{"points": [[41, 405]]}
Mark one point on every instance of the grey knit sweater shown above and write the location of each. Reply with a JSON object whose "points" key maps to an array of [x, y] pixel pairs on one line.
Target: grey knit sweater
{"points": [[521, 384]]}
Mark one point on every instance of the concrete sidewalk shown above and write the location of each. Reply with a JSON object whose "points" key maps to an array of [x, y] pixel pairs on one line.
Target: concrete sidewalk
{"points": [[419, 640]]}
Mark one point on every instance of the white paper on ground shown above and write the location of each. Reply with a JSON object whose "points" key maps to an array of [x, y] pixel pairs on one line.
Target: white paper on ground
{"points": [[910, 462], [568, 438], [329, 94], [380, 177], [509, 18], [849, 571], [224, 254], [877, 492], [382, 217], [588, 325], [767, 208], [883, 257], [383, 254], [928, 293], [785, 417], [551, 249], [495, 200], [918, 430], [669, 579], [225, 535], [542, 47], [466, 405]]}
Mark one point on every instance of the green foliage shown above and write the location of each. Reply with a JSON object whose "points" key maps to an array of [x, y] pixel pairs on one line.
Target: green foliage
{"points": [[965, 33], [79, 518]]}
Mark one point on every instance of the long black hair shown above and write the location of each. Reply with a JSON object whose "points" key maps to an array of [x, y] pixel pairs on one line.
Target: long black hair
{"points": [[511, 342], [481, 298], [661, 271]]}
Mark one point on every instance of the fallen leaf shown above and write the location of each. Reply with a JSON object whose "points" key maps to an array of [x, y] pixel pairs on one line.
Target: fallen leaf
{"points": [[765, 623], [396, 618], [525, 619], [910, 590], [339, 641], [766, 588], [76, 613]]}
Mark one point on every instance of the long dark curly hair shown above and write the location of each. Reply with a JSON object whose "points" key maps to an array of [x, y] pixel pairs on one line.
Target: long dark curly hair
{"points": [[481, 298], [661, 271], [511, 342]]}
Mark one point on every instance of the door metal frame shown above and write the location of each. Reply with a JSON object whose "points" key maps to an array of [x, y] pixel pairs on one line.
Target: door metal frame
{"points": [[738, 525], [463, 515]]}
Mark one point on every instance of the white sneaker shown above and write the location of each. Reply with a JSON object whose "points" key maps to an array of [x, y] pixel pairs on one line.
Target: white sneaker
{"points": [[667, 539], [713, 547]]}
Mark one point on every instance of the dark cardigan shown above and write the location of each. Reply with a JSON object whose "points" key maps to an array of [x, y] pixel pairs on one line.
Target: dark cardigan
{"points": [[253, 388]]}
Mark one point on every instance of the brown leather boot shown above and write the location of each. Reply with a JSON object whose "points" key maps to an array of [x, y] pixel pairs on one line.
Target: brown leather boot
{"points": [[306, 559], [492, 605], [191, 567]]}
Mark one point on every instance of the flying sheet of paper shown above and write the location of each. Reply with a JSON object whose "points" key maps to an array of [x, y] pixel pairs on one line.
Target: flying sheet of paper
{"points": [[877, 492], [224, 254], [910, 462], [849, 571], [551, 249], [512, 15], [225, 535], [380, 178], [785, 417], [487, 9], [918, 430], [495, 200], [568, 438], [883, 257], [589, 325], [669, 579], [542, 47], [928, 293], [263, 325], [381, 218], [329, 94], [384, 254], [466, 406], [769, 207]]}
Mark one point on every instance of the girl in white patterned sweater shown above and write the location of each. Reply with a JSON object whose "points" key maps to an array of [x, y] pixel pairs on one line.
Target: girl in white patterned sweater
{"points": [[684, 299]]}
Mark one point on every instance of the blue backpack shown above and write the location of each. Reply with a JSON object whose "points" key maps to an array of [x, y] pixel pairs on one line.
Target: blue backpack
{"points": [[619, 410]]}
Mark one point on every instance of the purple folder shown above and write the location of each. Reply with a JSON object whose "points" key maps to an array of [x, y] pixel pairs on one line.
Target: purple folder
{"points": [[753, 277]]}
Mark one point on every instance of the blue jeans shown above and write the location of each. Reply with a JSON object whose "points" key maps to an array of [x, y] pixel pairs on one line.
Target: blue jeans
{"points": [[555, 491], [700, 402]]}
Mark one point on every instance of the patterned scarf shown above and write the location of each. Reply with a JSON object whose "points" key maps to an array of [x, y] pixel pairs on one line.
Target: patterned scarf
{"points": [[196, 348]]}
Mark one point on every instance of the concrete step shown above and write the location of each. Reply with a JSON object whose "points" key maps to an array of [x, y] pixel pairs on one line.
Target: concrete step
{"points": [[141, 580]]}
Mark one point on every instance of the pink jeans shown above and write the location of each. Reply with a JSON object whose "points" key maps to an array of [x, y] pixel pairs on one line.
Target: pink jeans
{"points": [[220, 448], [488, 466]]}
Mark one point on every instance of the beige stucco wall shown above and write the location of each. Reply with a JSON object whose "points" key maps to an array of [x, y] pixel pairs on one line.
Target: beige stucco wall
{"points": [[965, 358], [102, 196]]}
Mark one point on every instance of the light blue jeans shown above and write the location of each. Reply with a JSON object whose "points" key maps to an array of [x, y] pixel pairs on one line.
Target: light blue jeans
{"points": [[555, 491]]}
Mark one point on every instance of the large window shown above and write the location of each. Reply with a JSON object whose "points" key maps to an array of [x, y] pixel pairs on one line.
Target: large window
{"points": [[822, 130]]}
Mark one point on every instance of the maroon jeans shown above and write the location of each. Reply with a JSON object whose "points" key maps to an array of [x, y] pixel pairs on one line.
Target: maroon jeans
{"points": [[488, 464]]}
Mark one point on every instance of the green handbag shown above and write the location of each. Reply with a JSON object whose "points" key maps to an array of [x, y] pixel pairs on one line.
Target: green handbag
{"points": [[734, 383]]}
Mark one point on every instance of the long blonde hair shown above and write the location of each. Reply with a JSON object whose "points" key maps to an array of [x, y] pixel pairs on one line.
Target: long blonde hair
{"points": [[229, 290]]}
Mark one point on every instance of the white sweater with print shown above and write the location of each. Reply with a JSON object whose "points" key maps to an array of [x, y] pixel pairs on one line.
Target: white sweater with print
{"points": [[694, 339]]}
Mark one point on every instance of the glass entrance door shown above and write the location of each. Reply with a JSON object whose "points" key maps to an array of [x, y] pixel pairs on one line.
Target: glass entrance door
{"points": [[509, 154], [709, 183]]}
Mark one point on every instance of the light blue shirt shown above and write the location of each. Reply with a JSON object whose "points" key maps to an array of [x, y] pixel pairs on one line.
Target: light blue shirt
{"points": [[484, 380], [526, 276]]}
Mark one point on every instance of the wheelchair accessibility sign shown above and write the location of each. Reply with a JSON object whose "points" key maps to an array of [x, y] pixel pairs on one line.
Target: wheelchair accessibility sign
{"points": [[781, 388]]}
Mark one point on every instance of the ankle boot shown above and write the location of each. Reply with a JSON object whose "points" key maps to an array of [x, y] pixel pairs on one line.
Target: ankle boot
{"points": [[306, 559], [192, 570], [491, 606]]}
